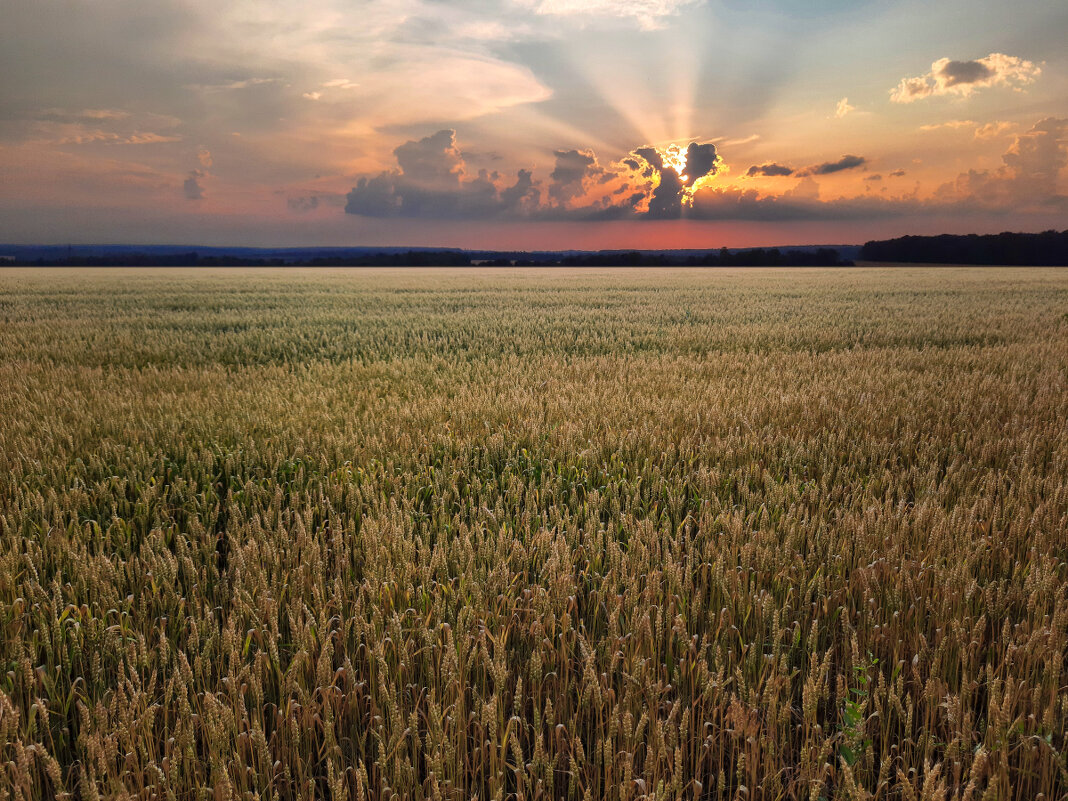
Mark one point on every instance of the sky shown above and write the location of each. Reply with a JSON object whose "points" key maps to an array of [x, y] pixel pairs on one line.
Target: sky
{"points": [[530, 123]]}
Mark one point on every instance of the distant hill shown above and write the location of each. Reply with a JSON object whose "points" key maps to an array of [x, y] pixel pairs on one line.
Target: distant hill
{"points": [[1049, 248]]}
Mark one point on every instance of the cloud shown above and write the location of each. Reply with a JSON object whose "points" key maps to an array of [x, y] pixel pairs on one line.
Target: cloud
{"points": [[1026, 181], [433, 180], [990, 130], [667, 200], [191, 188], [302, 204], [204, 157], [663, 182], [963, 78], [1037, 157], [701, 161], [340, 83], [773, 170], [433, 161], [843, 108], [950, 124], [770, 170], [230, 86], [523, 196], [101, 126], [649, 14], [993, 130], [829, 167], [572, 169]]}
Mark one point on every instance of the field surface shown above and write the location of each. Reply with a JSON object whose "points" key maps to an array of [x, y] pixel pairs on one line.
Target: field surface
{"points": [[463, 534]]}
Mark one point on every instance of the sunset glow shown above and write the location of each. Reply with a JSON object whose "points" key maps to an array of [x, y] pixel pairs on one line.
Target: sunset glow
{"points": [[529, 123]]}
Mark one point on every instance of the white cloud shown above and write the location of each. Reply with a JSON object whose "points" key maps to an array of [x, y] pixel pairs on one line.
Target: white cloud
{"points": [[843, 108], [963, 78], [648, 14]]}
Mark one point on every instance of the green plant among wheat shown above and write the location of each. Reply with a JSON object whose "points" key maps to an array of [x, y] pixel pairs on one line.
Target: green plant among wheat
{"points": [[476, 534]]}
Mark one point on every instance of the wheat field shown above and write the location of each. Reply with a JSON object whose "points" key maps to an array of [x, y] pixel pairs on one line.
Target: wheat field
{"points": [[500, 534]]}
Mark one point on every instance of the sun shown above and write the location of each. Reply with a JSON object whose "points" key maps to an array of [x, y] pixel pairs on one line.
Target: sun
{"points": [[674, 157]]}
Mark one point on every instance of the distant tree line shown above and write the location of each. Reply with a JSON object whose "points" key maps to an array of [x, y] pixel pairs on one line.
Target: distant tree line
{"points": [[759, 257], [411, 258], [1049, 248]]}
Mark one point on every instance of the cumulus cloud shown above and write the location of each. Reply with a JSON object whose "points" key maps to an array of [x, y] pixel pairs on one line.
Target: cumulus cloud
{"points": [[433, 161], [573, 168], [962, 78], [843, 108], [701, 160], [1037, 157], [523, 196], [1027, 179], [668, 197], [663, 182], [432, 180], [770, 170]]}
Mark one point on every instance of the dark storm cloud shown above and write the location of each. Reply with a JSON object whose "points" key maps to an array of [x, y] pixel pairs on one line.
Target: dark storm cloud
{"points": [[701, 160], [524, 194], [668, 198], [432, 183], [571, 170], [770, 170], [666, 203], [651, 156], [830, 167]]}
